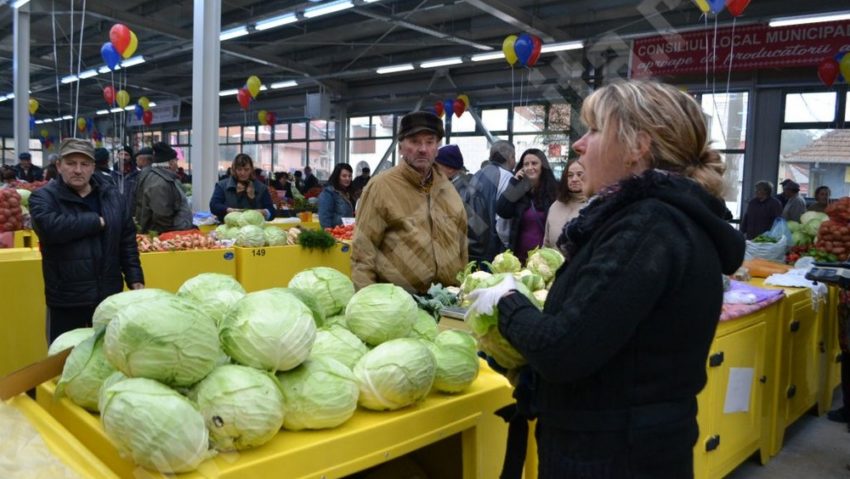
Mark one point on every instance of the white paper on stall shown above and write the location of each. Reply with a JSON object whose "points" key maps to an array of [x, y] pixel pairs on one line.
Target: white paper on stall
{"points": [[738, 390]]}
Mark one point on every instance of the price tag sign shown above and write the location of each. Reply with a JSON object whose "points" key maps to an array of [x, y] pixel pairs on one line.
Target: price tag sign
{"points": [[347, 221], [258, 252]]}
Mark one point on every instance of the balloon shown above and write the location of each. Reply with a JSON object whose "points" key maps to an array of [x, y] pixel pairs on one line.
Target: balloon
{"points": [[828, 71], [271, 118], [123, 98], [131, 48], [44, 133], [32, 123], [438, 109], [523, 47], [717, 6], [459, 107], [243, 96], [508, 49], [109, 94], [449, 107], [81, 124], [89, 124], [33, 106], [536, 46], [146, 104], [464, 99], [138, 111], [147, 117], [110, 55], [702, 5], [844, 66], [737, 7], [253, 84], [119, 35], [261, 115]]}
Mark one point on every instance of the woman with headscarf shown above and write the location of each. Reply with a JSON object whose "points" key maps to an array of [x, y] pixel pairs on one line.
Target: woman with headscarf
{"points": [[240, 191]]}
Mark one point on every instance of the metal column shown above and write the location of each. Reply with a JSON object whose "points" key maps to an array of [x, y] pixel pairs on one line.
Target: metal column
{"points": [[21, 68], [206, 59]]}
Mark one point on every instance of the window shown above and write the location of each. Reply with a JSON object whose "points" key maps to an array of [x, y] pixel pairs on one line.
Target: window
{"points": [[281, 132], [298, 131], [531, 118], [726, 118], [234, 134], [464, 124], [249, 134], [474, 149], [847, 108], [369, 139], [495, 120], [810, 107], [816, 157]]}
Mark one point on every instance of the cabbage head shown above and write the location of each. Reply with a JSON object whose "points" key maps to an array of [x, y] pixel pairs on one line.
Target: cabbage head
{"points": [[109, 307], [339, 343], [395, 374], [545, 262], [338, 320], [474, 281], [308, 301], [275, 236], [321, 393], [25, 197], [425, 326], [457, 367], [380, 312], [232, 219], [532, 281], [113, 378], [226, 232], [85, 370], [331, 289], [212, 293], [154, 426], [455, 338], [251, 217], [242, 406], [269, 329], [69, 339], [811, 215], [250, 236], [167, 338], [540, 295], [505, 262]]}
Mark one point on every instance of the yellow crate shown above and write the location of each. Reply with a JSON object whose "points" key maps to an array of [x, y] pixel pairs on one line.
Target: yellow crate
{"points": [[831, 362], [168, 270], [17, 254], [369, 438], [23, 238], [61, 443], [22, 331], [274, 266]]}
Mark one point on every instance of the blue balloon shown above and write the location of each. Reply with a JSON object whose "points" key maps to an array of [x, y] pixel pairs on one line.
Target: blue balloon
{"points": [[449, 106], [717, 6], [138, 111], [89, 124], [32, 122], [110, 55], [523, 47]]}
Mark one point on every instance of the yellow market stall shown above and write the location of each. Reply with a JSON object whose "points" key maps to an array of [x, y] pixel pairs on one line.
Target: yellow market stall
{"points": [[23, 339], [274, 266]]}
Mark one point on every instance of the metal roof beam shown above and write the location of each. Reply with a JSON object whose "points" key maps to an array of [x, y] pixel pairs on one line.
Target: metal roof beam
{"points": [[518, 18]]}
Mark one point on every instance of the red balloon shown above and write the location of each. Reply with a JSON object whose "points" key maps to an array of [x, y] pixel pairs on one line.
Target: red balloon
{"points": [[271, 118], [536, 45], [119, 36], [737, 7], [459, 107], [147, 117], [109, 94], [439, 109], [243, 96], [828, 71]]}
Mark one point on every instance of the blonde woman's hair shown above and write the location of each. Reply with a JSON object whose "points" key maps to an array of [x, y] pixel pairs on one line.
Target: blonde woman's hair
{"points": [[673, 121]]}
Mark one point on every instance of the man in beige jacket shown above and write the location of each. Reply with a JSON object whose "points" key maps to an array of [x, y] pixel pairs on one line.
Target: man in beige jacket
{"points": [[411, 222]]}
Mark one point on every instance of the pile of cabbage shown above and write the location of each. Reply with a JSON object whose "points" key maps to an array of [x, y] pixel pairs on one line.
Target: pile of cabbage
{"points": [[247, 229], [533, 281], [805, 231], [179, 377]]}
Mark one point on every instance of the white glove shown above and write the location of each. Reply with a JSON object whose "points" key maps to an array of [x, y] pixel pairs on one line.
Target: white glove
{"points": [[485, 300]]}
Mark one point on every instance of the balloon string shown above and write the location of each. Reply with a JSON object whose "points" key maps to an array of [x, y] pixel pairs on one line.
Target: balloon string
{"points": [[513, 91], [728, 78], [705, 18], [71, 62], [56, 62], [80, 60]]}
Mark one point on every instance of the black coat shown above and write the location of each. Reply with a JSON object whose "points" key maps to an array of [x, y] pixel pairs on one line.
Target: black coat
{"points": [[82, 262], [480, 198], [626, 329], [512, 205]]}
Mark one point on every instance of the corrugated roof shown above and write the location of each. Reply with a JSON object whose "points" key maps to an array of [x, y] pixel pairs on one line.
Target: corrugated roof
{"points": [[832, 147]]}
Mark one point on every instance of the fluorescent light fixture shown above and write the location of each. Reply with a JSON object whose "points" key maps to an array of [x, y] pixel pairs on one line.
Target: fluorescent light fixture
{"points": [[284, 84], [3, 98], [69, 79], [277, 21], [67, 117], [116, 110], [441, 62], [39, 122], [805, 19], [394, 69], [20, 3], [88, 74], [132, 61], [48, 120], [232, 91], [102, 112], [481, 57], [263, 88], [235, 32], [150, 104], [103, 69], [563, 46], [327, 8], [130, 107]]}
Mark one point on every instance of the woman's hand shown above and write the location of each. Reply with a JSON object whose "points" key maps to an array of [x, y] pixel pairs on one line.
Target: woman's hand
{"points": [[520, 174]]}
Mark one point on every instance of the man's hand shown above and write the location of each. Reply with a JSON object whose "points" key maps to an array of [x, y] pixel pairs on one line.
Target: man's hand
{"points": [[137, 286], [485, 300]]}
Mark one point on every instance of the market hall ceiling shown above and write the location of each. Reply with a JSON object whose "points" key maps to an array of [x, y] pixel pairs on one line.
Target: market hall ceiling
{"points": [[339, 51]]}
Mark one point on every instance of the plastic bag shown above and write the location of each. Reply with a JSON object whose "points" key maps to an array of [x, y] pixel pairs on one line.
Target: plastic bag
{"points": [[780, 230], [769, 251]]}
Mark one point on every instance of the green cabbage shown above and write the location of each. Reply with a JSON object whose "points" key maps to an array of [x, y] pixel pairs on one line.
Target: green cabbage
{"points": [[85, 370], [250, 236], [321, 393], [505, 263], [395, 374], [25, 197], [275, 236], [380, 312], [457, 367], [811, 215], [154, 426], [540, 295], [453, 337], [226, 232], [425, 326], [232, 219], [339, 343], [212, 293], [69, 339], [331, 289], [532, 281], [113, 378], [109, 307], [164, 338], [242, 406], [338, 320], [310, 302], [794, 226], [545, 262], [474, 280], [251, 217], [269, 329]]}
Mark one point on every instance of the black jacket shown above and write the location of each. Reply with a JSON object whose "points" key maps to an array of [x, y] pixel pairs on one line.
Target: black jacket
{"points": [[82, 262], [480, 198], [512, 205], [626, 330], [33, 174]]}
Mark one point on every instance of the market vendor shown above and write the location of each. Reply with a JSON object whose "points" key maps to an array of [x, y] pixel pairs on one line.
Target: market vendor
{"points": [[411, 222], [88, 240], [335, 201], [241, 191]]}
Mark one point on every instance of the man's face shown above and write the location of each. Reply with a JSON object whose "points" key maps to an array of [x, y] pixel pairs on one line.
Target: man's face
{"points": [[143, 161], [419, 150], [26, 163], [76, 170], [172, 165]]}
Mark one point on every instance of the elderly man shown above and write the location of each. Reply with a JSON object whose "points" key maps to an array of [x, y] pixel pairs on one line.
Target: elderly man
{"points": [[88, 240], [488, 232], [795, 205], [160, 203], [26, 171], [411, 223], [144, 158]]}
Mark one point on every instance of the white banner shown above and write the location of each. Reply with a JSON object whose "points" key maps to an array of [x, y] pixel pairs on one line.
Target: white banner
{"points": [[165, 111]]}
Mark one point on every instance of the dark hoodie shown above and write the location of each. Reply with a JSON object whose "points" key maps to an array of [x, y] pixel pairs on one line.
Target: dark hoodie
{"points": [[622, 341]]}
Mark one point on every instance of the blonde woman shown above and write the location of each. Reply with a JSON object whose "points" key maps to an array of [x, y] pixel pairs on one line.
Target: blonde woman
{"points": [[570, 201], [617, 356]]}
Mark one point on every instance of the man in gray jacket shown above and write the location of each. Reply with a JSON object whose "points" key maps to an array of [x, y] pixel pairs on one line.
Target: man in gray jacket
{"points": [[161, 204]]}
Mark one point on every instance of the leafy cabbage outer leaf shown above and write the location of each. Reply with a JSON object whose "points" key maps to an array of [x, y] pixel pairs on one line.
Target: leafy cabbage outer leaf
{"points": [[457, 367], [339, 343], [505, 262], [532, 281], [212, 293], [69, 339], [250, 236], [164, 338], [454, 337], [545, 262], [275, 236], [310, 302], [381, 312], [85, 370], [395, 374], [337, 320], [251, 217], [242, 406], [113, 378], [225, 232], [321, 393], [474, 281], [270, 329], [109, 307], [154, 426], [425, 326], [232, 219], [331, 289]]}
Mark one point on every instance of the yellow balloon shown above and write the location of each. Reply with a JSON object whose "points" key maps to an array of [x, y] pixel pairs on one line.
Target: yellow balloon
{"points": [[253, 84], [81, 124], [844, 67], [702, 5], [131, 47], [464, 99], [123, 98], [44, 133], [508, 49], [261, 115], [145, 103], [33, 106]]}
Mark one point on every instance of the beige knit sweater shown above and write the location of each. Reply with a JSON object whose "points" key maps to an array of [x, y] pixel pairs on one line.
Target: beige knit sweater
{"points": [[559, 214]]}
